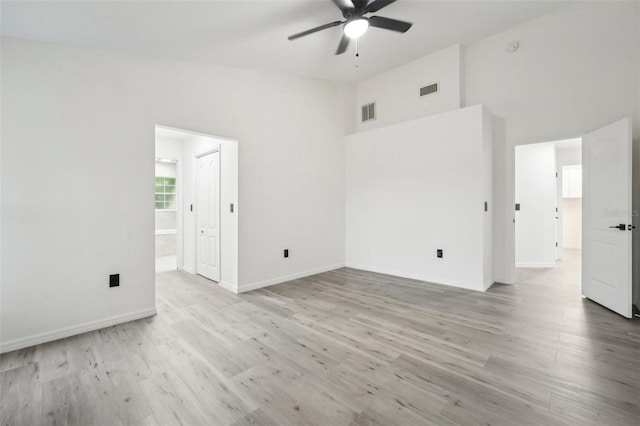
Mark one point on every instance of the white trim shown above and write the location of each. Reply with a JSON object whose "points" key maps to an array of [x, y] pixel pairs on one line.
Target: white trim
{"points": [[227, 286], [285, 278], [61, 333], [211, 151], [166, 231], [418, 277], [188, 269], [535, 265]]}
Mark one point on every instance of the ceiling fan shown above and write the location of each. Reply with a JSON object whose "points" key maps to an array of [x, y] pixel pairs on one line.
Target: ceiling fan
{"points": [[356, 24]]}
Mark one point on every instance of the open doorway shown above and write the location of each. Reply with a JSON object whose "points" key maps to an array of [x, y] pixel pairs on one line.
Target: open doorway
{"points": [[596, 191], [196, 192], [548, 217]]}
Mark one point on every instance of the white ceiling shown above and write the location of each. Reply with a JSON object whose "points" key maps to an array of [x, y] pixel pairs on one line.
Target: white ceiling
{"points": [[253, 34]]}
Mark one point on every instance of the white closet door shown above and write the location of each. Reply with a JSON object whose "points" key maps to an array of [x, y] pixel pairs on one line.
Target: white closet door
{"points": [[208, 215]]}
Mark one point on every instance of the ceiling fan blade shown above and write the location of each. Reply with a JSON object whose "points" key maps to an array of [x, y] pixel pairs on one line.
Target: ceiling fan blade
{"points": [[377, 5], [344, 43], [389, 24], [315, 30], [360, 4], [344, 4]]}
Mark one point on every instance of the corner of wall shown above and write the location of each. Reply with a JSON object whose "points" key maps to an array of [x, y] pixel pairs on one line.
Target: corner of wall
{"points": [[462, 70]]}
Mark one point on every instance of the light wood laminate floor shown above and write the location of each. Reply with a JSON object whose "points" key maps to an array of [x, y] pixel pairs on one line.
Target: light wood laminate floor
{"points": [[345, 347]]}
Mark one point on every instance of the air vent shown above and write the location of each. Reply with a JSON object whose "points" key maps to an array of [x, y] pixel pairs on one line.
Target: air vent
{"points": [[368, 112], [429, 89]]}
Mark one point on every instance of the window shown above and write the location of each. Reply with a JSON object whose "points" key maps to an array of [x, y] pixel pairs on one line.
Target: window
{"points": [[165, 193]]}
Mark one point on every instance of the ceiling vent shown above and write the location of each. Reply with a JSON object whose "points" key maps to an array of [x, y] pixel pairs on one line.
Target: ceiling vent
{"points": [[429, 89], [368, 112]]}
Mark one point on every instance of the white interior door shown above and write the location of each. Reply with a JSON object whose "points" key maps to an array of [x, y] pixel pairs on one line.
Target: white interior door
{"points": [[606, 201], [208, 215]]}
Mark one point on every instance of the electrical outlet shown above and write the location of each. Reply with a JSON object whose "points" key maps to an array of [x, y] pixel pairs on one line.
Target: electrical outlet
{"points": [[286, 252], [440, 253], [114, 280]]}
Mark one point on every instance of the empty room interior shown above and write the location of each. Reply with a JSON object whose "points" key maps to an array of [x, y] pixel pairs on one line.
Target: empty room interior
{"points": [[317, 212]]}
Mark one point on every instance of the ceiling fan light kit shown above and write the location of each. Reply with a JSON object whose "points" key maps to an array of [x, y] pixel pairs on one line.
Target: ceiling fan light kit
{"points": [[356, 24], [356, 27]]}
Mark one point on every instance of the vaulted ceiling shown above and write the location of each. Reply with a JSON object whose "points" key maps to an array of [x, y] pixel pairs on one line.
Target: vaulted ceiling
{"points": [[253, 34]]}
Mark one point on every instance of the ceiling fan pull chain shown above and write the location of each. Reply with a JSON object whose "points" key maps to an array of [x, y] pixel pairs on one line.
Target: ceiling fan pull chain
{"points": [[357, 53]]}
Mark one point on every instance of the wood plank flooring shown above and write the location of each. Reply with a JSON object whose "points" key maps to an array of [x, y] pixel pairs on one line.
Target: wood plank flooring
{"points": [[345, 347]]}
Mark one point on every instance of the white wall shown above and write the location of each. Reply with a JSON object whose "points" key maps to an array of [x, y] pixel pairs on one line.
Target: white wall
{"points": [[77, 174], [396, 92], [416, 187], [536, 192], [576, 70]]}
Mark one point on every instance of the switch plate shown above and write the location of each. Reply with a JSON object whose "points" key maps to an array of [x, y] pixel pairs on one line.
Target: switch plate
{"points": [[114, 280]]}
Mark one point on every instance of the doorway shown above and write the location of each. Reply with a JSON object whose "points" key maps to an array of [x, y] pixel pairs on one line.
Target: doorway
{"points": [[600, 209], [548, 217], [197, 204]]}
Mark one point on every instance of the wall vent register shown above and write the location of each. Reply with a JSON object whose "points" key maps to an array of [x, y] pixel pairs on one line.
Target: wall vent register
{"points": [[429, 89], [368, 112]]}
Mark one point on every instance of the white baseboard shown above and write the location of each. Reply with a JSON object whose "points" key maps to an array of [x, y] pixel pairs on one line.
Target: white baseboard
{"points": [[412, 276], [279, 280], [61, 333], [535, 265], [188, 269], [227, 286]]}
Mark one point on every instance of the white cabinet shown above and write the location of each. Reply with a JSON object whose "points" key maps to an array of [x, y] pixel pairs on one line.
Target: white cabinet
{"points": [[572, 181]]}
